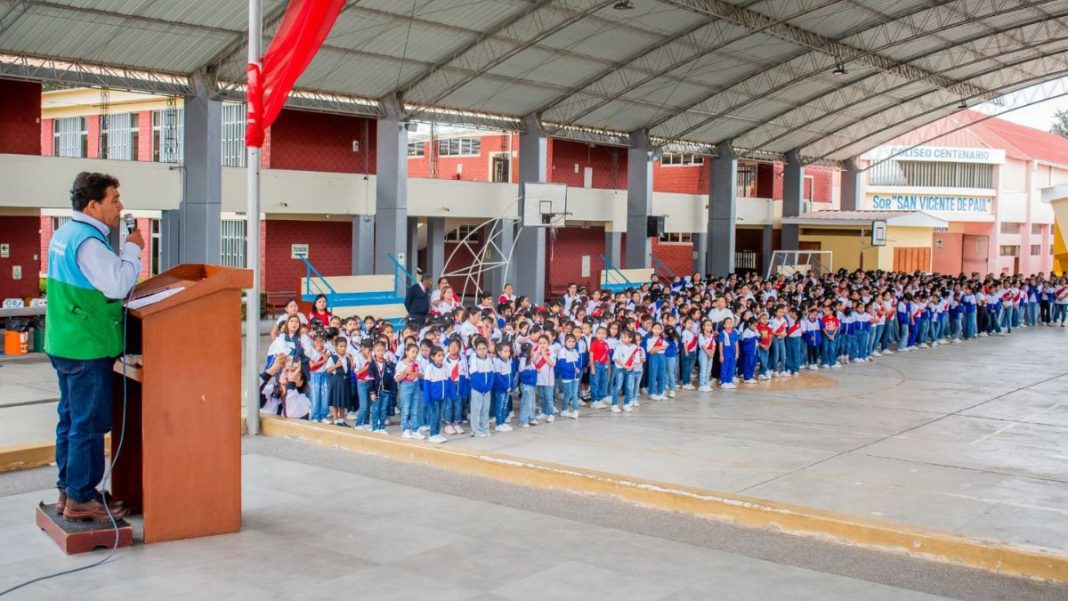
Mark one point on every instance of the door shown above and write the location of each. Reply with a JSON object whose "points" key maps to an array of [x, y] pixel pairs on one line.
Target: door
{"points": [[974, 254], [587, 177], [502, 167], [915, 258]]}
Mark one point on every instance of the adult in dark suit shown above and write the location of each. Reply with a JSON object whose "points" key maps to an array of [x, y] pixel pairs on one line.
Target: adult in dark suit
{"points": [[417, 300]]}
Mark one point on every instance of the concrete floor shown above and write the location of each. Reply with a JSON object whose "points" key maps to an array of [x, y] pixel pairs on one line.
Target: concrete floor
{"points": [[322, 523], [970, 438]]}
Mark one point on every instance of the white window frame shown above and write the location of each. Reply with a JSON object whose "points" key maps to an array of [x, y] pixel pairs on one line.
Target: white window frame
{"points": [[232, 241], [167, 146], [117, 135], [70, 137], [416, 150], [464, 147], [676, 238], [460, 232], [233, 135], [681, 159]]}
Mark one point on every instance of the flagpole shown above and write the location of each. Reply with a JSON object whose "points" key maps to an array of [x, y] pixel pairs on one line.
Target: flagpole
{"points": [[252, 250]]}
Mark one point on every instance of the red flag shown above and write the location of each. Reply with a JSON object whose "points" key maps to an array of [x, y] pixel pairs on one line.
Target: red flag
{"points": [[304, 27]]}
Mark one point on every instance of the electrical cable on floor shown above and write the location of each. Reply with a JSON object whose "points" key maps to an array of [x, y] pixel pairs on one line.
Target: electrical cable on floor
{"points": [[107, 475]]}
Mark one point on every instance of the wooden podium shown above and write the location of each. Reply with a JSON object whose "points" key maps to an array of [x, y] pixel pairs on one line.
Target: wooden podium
{"points": [[180, 463]]}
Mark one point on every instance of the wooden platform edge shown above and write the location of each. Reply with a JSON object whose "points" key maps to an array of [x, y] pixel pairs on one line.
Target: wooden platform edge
{"points": [[750, 512], [80, 537]]}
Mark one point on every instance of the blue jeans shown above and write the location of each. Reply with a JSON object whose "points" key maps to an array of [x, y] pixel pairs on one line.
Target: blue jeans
{"points": [[452, 410], [829, 353], [480, 407], [548, 403], [970, 325], [599, 382], [409, 412], [876, 338], [433, 416], [657, 372], [378, 410], [903, 335], [704, 368], [762, 357], [500, 406], [671, 372], [1005, 318], [526, 404], [688, 362], [85, 395], [1058, 313], [619, 384], [363, 392], [320, 382], [630, 387], [777, 356], [570, 401]]}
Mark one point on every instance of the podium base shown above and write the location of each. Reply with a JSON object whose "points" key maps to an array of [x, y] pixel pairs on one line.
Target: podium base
{"points": [[79, 537]]}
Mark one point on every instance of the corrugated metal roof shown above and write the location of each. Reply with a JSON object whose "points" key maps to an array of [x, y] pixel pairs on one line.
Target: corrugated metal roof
{"points": [[757, 73]]}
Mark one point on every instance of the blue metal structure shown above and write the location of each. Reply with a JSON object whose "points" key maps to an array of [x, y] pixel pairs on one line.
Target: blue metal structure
{"points": [[353, 299], [661, 268], [614, 287]]}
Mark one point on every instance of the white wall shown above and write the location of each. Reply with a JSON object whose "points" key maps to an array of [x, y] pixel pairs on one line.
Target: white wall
{"points": [[44, 183]]}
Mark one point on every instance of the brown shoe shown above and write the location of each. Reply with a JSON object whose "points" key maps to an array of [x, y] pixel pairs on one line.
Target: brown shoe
{"points": [[61, 504], [93, 510]]}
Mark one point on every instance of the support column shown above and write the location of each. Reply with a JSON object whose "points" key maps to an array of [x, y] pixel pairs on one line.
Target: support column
{"points": [[412, 260], [793, 189], [852, 189], [613, 248], [200, 210], [722, 197], [435, 247], [639, 201], [391, 187], [528, 261], [363, 244], [502, 239], [700, 251], [170, 224], [767, 247]]}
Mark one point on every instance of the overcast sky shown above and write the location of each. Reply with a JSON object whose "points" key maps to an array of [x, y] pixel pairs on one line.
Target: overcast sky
{"points": [[1038, 116]]}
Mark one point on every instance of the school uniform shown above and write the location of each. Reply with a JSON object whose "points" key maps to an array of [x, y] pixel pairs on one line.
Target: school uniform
{"points": [[706, 359], [748, 344], [384, 387], [340, 395], [481, 373], [628, 362], [763, 347], [688, 346], [810, 331], [569, 370], [777, 351], [528, 380], [407, 374], [435, 383], [600, 368], [546, 382], [361, 374], [457, 391], [728, 345], [829, 327], [793, 346], [503, 383]]}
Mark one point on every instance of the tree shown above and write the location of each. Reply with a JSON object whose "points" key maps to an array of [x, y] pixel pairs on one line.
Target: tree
{"points": [[1060, 123]]}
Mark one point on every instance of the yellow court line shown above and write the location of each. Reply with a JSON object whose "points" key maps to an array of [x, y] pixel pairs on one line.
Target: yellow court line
{"points": [[745, 511]]}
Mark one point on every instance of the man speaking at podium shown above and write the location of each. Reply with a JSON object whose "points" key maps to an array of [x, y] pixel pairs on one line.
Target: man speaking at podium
{"points": [[87, 282]]}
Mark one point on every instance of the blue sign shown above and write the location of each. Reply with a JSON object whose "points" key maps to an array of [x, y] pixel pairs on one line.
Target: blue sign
{"points": [[946, 204]]}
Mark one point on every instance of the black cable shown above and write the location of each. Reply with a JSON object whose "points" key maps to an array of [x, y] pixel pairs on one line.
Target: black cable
{"points": [[107, 474]]}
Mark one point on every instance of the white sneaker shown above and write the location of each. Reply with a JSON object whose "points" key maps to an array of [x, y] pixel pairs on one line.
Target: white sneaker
{"points": [[671, 394], [762, 377], [644, 391], [705, 389], [417, 435], [616, 409], [365, 427], [350, 415], [448, 429], [406, 434], [836, 365], [924, 345], [458, 429], [325, 420], [424, 429], [597, 405], [750, 381], [550, 418], [636, 403], [437, 439], [687, 387], [876, 354], [382, 431], [574, 415], [524, 426], [888, 352], [627, 408], [728, 386], [504, 428]]}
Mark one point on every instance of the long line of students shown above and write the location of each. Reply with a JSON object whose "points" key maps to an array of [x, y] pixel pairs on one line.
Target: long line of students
{"points": [[504, 361]]}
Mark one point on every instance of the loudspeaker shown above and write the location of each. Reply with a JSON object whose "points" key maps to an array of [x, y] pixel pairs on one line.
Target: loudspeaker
{"points": [[655, 226]]}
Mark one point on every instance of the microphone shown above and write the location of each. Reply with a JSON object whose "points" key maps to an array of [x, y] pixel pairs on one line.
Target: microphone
{"points": [[129, 223]]}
